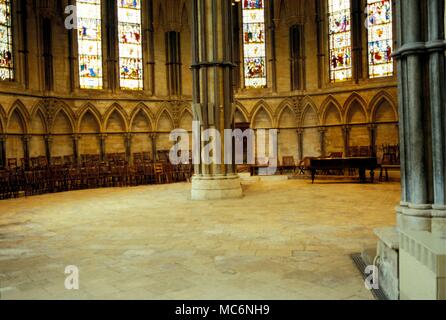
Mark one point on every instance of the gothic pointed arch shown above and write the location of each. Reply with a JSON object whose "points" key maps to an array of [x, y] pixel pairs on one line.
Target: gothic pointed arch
{"points": [[89, 109], [240, 108], [143, 110], [377, 103], [355, 109], [259, 108], [19, 109], [39, 123], [330, 105], [309, 115], [286, 109], [116, 109], [63, 110], [165, 120]]}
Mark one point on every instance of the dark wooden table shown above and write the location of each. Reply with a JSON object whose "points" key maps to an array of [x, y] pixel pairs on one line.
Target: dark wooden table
{"points": [[361, 164], [256, 167]]}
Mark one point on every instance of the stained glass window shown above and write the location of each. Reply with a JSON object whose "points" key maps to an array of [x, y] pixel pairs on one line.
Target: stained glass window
{"points": [[130, 44], [254, 44], [379, 24], [6, 57], [89, 43], [340, 40]]}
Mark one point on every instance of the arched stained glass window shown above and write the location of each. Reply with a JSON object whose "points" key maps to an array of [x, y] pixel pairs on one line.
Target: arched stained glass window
{"points": [[340, 40], [254, 45], [379, 24], [89, 41], [130, 44], [6, 56]]}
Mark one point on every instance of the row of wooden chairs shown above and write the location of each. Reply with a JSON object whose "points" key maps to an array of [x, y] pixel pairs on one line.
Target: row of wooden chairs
{"points": [[360, 152], [59, 178]]}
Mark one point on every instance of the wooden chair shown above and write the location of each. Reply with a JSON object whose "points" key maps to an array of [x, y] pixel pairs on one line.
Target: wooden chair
{"points": [[364, 151], [336, 155], [304, 165], [137, 157], [68, 160], [160, 174], [5, 185], [34, 162], [288, 164], [390, 161], [146, 156], [354, 152], [12, 163], [163, 156], [149, 173], [74, 179]]}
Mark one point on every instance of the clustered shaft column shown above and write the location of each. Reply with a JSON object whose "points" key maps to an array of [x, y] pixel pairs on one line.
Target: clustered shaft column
{"points": [[421, 69], [213, 94]]}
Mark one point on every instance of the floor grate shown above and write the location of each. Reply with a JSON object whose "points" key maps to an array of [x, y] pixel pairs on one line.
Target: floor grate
{"points": [[361, 265]]}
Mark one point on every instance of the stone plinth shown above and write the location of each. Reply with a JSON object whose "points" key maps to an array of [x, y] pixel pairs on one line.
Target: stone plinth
{"points": [[422, 266], [387, 252], [216, 187]]}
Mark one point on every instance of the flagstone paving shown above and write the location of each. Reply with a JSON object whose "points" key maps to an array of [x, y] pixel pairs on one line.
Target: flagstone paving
{"points": [[283, 240]]}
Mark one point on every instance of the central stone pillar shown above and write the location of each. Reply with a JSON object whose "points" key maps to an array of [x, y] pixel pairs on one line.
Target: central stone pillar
{"points": [[213, 96], [421, 71], [412, 257]]}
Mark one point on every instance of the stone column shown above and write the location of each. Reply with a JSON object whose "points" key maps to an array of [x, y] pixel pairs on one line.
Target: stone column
{"points": [[357, 27], [372, 138], [322, 132], [422, 138], [300, 142], [102, 138], [48, 143], [150, 35], [417, 249], [112, 45], [128, 147], [153, 137], [436, 47], [346, 136], [25, 140], [320, 38], [213, 94], [2, 151], [272, 44], [76, 156]]}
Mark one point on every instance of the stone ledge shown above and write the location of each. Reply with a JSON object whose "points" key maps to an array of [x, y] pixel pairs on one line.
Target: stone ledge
{"points": [[427, 249], [389, 236]]}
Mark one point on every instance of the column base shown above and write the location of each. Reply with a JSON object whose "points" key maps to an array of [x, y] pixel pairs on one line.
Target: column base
{"points": [[387, 262], [417, 218], [439, 221], [429, 218], [422, 266], [216, 188]]}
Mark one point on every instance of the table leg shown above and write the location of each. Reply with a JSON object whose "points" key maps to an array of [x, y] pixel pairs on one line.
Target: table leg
{"points": [[362, 176]]}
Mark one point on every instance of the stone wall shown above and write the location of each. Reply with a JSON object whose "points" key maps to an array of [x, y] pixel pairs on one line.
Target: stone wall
{"points": [[66, 115]]}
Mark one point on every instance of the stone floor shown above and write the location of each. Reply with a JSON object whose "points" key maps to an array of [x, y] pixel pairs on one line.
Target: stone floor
{"points": [[284, 240]]}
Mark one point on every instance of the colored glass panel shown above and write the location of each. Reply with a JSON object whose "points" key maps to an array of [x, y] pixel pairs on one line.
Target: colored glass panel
{"points": [[89, 43], [6, 55], [380, 38], [130, 44], [254, 45], [340, 40]]}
